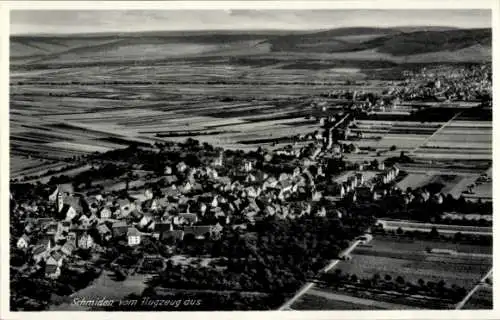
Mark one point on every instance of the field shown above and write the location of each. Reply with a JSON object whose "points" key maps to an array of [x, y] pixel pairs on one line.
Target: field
{"points": [[410, 260], [482, 299], [321, 300], [392, 256], [405, 135], [397, 256], [176, 101], [467, 140], [72, 96]]}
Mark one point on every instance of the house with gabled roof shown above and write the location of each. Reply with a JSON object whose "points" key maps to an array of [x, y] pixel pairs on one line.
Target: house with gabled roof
{"points": [[133, 236], [161, 227], [119, 228], [55, 257], [40, 252], [104, 232], [188, 218], [23, 242], [68, 248], [52, 271], [105, 213], [86, 241]]}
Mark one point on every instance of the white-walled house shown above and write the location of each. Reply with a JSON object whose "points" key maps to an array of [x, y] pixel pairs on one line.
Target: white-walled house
{"points": [[23, 242], [86, 241], [133, 236]]}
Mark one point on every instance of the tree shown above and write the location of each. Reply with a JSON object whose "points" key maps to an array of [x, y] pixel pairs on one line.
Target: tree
{"points": [[387, 278], [400, 280], [354, 278], [421, 283], [434, 233], [393, 148], [457, 237]]}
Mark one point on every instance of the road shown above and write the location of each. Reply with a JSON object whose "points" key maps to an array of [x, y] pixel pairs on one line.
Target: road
{"points": [[443, 228], [308, 286], [481, 283]]}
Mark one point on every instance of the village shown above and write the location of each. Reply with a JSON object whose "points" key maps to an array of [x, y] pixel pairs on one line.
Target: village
{"points": [[198, 192]]}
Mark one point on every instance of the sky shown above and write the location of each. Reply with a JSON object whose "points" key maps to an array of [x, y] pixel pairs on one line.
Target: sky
{"points": [[92, 21]]}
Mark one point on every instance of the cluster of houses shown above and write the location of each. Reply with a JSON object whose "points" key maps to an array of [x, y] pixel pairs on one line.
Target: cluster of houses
{"points": [[195, 202], [388, 175], [356, 186], [448, 83]]}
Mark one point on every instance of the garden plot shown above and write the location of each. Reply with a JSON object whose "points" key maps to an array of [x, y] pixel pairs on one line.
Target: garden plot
{"points": [[409, 259]]}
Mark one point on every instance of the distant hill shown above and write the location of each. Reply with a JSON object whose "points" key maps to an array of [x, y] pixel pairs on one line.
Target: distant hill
{"points": [[389, 44]]}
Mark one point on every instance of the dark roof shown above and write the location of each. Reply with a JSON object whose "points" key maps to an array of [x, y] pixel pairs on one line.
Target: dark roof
{"points": [[133, 232], [43, 242], [176, 234], [57, 255], [197, 230], [39, 249], [160, 227], [65, 209], [119, 224], [50, 268]]}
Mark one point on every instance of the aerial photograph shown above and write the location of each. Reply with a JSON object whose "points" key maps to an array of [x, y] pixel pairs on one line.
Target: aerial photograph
{"points": [[250, 160]]}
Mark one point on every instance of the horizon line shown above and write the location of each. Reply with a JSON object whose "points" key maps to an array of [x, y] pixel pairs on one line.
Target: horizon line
{"points": [[97, 33]]}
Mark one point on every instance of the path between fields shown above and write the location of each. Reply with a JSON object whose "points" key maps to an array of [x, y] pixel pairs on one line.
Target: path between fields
{"points": [[436, 132], [461, 304], [355, 300], [287, 305]]}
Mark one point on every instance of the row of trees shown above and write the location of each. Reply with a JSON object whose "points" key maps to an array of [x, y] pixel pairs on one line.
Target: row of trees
{"points": [[388, 283]]}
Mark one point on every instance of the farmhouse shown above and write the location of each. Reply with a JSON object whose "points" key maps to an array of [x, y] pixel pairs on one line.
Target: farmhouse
{"points": [[52, 271], [86, 241], [68, 248], [105, 213], [133, 236], [119, 228]]}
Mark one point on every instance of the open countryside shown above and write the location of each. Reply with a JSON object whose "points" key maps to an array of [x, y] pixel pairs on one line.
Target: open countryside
{"points": [[342, 169]]}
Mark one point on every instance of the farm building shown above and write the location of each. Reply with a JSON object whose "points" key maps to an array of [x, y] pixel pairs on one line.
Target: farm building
{"points": [[133, 236], [119, 228]]}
